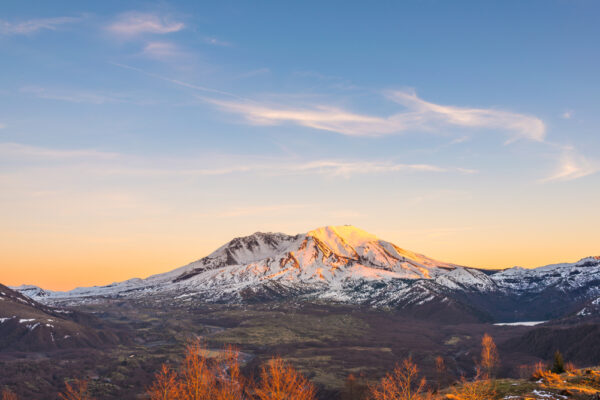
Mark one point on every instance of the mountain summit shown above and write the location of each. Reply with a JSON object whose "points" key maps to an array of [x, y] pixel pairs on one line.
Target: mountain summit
{"points": [[331, 255]]}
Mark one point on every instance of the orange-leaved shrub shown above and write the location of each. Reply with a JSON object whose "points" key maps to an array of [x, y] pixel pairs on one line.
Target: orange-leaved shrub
{"points": [[402, 383], [280, 381], [544, 374], [201, 377], [8, 395], [480, 388], [77, 391]]}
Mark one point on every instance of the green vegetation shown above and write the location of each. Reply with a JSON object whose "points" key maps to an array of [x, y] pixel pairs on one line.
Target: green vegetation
{"points": [[270, 329]]}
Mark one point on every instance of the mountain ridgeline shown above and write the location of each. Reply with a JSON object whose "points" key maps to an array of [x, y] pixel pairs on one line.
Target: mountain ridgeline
{"points": [[343, 264]]}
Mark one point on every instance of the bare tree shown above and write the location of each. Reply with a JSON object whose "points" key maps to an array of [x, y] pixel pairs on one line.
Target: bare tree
{"points": [[230, 382], [489, 357], [77, 391], [402, 384], [165, 385], [440, 369], [280, 381]]}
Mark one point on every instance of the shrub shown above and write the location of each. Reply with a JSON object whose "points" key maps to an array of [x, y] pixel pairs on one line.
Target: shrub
{"points": [[201, 377], [8, 395], [402, 384], [539, 371], [280, 381], [355, 388], [77, 391], [547, 376], [478, 389]]}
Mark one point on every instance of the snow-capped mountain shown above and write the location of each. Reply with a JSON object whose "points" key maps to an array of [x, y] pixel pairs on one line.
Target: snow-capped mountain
{"points": [[565, 276], [346, 264]]}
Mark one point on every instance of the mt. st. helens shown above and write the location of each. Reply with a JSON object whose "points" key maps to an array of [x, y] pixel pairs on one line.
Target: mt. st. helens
{"points": [[348, 265]]}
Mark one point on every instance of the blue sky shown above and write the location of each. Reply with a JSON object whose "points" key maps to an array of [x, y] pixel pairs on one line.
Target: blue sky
{"points": [[154, 131]]}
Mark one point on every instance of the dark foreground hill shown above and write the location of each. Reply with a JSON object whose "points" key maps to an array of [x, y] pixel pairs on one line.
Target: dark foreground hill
{"points": [[26, 325]]}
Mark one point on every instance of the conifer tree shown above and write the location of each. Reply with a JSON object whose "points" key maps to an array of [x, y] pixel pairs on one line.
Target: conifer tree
{"points": [[558, 367]]}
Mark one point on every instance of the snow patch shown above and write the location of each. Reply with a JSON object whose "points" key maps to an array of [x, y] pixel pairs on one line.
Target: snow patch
{"points": [[522, 323]]}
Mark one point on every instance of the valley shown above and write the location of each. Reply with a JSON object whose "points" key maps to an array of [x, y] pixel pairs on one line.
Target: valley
{"points": [[325, 342]]}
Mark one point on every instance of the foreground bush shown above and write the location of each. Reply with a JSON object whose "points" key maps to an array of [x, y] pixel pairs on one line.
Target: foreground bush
{"points": [[402, 384], [8, 395], [201, 377], [280, 381], [77, 391], [477, 389]]}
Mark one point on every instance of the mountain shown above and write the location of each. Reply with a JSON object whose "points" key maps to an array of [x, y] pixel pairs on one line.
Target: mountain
{"points": [[348, 265], [28, 325]]}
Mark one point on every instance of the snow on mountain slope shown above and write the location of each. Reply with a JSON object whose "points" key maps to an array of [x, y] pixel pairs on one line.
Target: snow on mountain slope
{"points": [[326, 260], [467, 279], [343, 264], [565, 277]]}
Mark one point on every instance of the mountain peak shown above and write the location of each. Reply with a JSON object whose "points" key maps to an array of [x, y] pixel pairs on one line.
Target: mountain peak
{"points": [[342, 236]]}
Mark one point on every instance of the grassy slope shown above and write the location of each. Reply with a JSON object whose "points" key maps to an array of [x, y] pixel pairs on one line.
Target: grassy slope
{"points": [[581, 384]]}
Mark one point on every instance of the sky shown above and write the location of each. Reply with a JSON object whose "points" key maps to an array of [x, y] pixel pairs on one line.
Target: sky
{"points": [[138, 136]]}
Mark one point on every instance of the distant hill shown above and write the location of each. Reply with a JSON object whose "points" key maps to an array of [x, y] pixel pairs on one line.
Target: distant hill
{"points": [[26, 325]]}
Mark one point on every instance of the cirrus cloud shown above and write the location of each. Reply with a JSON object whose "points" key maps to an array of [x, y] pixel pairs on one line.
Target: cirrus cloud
{"points": [[110, 163], [418, 115], [34, 25], [572, 165], [136, 23]]}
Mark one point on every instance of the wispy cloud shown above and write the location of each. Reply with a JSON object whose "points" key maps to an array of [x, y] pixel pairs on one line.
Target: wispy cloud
{"points": [[567, 114], [164, 51], [75, 96], [109, 163], [350, 168], [571, 166], [419, 115], [518, 125], [2, 126], [34, 25], [177, 82], [136, 23], [21, 151], [216, 42]]}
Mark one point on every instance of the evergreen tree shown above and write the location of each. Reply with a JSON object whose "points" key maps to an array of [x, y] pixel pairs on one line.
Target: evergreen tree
{"points": [[558, 367]]}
